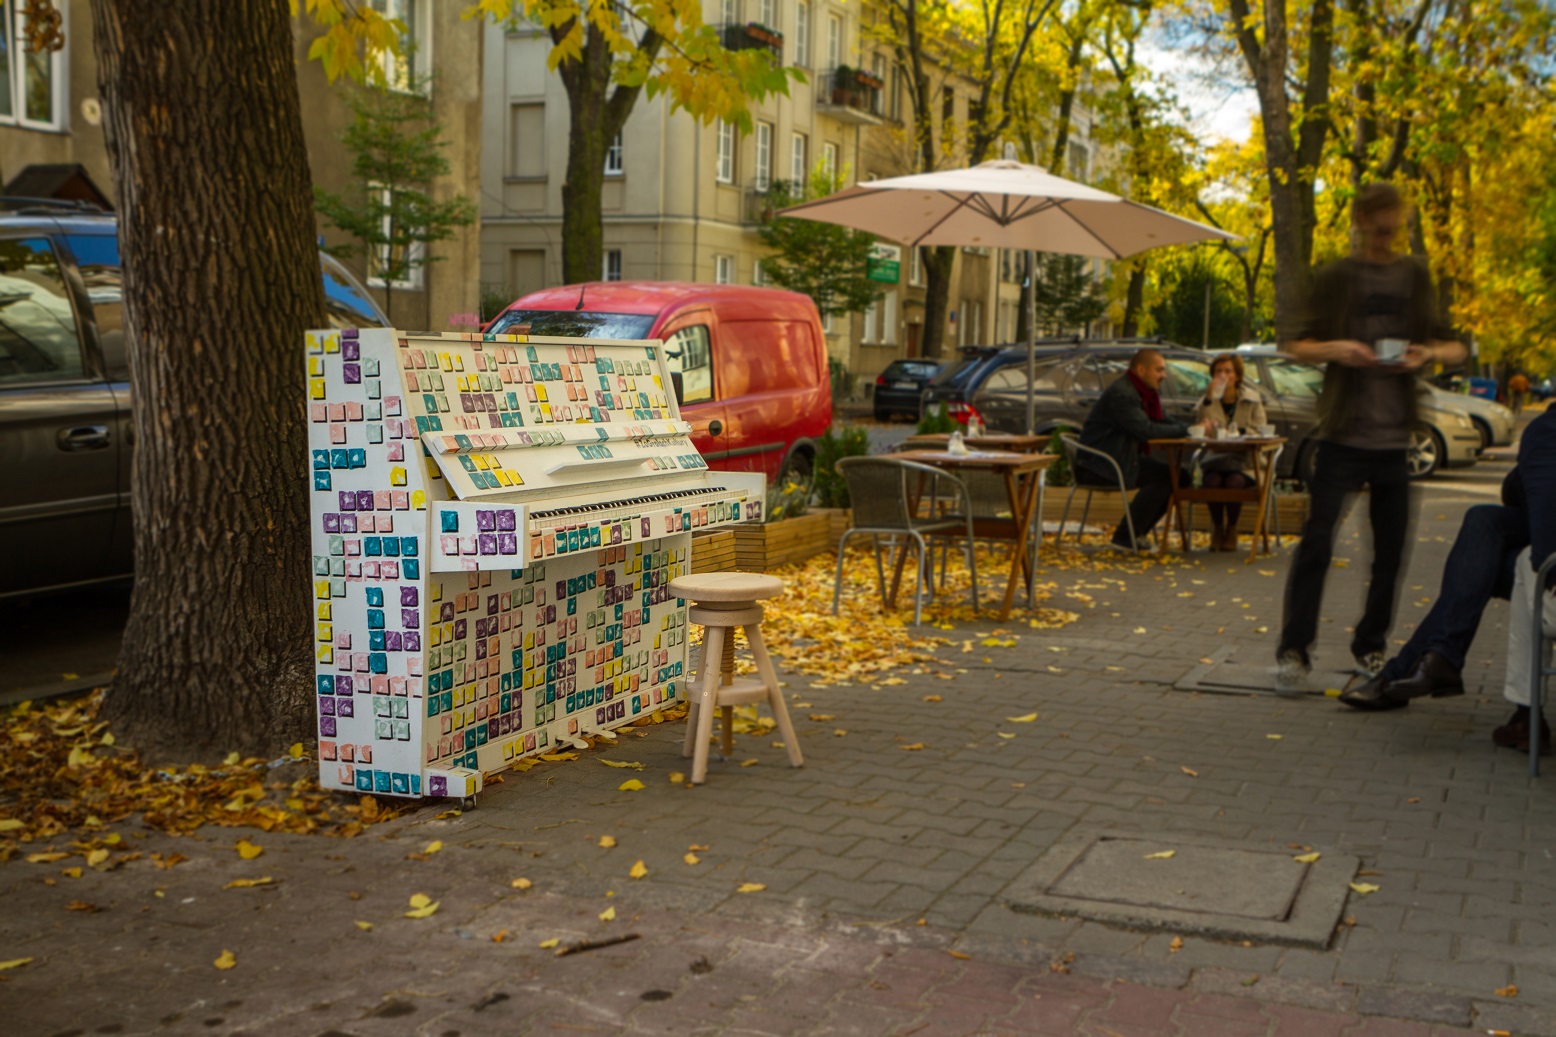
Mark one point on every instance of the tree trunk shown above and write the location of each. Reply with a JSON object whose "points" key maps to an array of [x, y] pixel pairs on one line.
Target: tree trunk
{"points": [[938, 263], [1134, 300], [221, 275]]}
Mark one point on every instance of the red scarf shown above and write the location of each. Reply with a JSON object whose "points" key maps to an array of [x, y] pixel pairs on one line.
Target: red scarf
{"points": [[1149, 397]]}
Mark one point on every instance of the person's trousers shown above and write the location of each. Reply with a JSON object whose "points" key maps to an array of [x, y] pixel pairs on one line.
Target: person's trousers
{"points": [[1339, 472], [1479, 568], [1519, 675], [1150, 500]]}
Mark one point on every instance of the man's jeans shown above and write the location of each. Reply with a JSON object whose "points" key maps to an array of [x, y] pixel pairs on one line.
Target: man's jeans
{"points": [[1150, 500], [1479, 568], [1341, 471], [1519, 680]]}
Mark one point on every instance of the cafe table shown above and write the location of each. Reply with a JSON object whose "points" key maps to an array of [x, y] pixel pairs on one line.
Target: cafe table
{"points": [[1262, 452], [1022, 475], [1020, 444]]}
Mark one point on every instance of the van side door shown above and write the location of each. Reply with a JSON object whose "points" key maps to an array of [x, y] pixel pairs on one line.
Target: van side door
{"points": [[59, 431]]}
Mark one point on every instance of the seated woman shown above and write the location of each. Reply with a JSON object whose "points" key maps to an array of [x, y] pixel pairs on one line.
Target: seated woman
{"points": [[1232, 406]]}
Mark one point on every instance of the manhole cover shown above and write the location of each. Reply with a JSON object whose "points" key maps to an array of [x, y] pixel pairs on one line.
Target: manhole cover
{"points": [[1225, 890], [1229, 678]]}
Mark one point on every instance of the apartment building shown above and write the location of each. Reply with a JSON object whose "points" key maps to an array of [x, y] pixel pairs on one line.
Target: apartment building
{"points": [[683, 201], [51, 137]]}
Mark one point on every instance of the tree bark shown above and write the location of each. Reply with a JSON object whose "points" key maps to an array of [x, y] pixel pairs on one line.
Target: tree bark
{"points": [[595, 114], [221, 277], [1134, 299]]}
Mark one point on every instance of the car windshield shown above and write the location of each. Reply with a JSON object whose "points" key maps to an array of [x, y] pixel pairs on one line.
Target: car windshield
{"points": [[573, 323], [346, 304], [1290, 378], [958, 371], [910, 369]]}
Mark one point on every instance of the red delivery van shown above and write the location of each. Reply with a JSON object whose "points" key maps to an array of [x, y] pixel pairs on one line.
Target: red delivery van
{"points": [[749, 364]]}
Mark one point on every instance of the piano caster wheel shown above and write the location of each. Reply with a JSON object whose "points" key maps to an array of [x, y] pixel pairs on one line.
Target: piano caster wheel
{"points": [[467, 803]]}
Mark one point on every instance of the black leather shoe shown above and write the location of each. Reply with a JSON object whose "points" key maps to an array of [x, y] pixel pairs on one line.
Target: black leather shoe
{"points": [[1375, 696], [1433, 675], [1515, 733]]}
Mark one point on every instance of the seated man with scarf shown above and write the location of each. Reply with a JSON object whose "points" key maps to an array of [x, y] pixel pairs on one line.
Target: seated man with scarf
{"points": [[1127, 415]]}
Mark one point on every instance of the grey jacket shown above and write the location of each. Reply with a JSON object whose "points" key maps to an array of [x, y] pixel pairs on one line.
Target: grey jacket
{"points": [[1118, 426]]}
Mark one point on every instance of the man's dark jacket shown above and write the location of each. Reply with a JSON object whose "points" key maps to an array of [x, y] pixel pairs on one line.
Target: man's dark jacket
{"points": [[1118, 426], [1531, 486]]}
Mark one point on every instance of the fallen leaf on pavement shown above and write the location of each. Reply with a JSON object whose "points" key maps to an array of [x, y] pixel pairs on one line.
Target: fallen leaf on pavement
{"points": [[546, 945], [365, 926], [82, 905], [14, 963], [422, 906], [1364, 888], [1191, 772], [677, 778], [226, 961], [1161, 856], [1275, 738], [631, 765], [1176, 945], [607, 841], [1027, 719], [499, 936], [1511, 990], [521, 883], [248, 883], [45, 858], [1306, 858], [927, 698], [638, 870], [822, 718], [608, 915], [630, 785], [692, 858], [247, 850], [750, 887], [960, 954], [912, 747]]}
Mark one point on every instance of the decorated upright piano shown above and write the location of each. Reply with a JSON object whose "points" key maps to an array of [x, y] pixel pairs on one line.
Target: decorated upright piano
{"points": [[495, 524]]}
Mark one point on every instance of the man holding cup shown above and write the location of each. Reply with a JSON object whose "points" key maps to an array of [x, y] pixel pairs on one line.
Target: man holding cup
{"points": [[1372, 318]]}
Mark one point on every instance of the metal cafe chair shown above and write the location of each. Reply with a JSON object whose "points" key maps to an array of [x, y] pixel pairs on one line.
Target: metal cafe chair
{"points": [[1073, 449], [1543, 667], [904, 502]]}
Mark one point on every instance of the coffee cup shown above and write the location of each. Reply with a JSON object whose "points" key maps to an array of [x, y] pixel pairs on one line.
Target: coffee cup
{"points": [[1197, 431], [1266, 431], [1391, 350]]}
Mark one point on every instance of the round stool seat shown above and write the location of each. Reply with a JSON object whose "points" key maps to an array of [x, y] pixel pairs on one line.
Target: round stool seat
{"points": [[726, 587]]}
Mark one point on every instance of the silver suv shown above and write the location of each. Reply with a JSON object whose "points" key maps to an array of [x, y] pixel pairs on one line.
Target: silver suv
{"points": [[65, 425]]}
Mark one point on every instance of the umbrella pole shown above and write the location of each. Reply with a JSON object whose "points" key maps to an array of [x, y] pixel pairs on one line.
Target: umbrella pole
{"points": [[1031, 341]]}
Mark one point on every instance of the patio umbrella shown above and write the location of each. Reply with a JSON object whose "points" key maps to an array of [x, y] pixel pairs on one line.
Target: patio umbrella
{"points": [[1004, 204]]}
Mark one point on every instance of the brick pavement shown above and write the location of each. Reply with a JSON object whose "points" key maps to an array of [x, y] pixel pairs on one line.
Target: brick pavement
{"points": [[867, 840]]}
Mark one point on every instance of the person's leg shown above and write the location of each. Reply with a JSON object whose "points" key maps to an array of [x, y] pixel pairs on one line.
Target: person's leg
{"points": [[1234, 511], [1479, 568], [1389, 509], [1335, 475], [1212, 481], [1150, 500]]}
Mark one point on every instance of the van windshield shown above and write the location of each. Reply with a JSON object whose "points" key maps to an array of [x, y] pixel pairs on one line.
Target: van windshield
{"points": [[573, 323]]}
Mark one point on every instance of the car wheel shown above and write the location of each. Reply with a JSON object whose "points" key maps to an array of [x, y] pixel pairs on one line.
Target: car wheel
{"points": [[1426, 453], [797, 468], [1484, 430]]}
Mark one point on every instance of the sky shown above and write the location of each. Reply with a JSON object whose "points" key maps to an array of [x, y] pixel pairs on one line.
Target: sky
{"points": [[1216, 108]]}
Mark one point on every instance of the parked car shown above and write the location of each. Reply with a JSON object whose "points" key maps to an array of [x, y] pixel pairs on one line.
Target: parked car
{"points": [[748, 365], [65, 422], [1447, 437], [1069, 376], [898, 389]]}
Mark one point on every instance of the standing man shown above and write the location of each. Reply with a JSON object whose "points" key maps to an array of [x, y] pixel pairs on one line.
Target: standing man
{"points": [[1125, 417], [1517, 390], [1372, 318]]}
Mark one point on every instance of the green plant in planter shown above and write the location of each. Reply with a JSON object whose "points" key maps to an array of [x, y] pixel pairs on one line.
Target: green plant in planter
{"points": [[936, 420], [786, 500], [838, 442], [1059, 473]]}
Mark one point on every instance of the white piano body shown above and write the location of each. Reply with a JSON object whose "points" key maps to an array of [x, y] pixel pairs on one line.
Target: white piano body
{"points": [[495, 523]]}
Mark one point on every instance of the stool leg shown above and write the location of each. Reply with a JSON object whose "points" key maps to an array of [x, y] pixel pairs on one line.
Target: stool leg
{"points": [[694, 702], [712, 654], [764, 667], [727, 713]]}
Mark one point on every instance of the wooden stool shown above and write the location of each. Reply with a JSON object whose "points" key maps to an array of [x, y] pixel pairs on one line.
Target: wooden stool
{"points": [[721, 602]]}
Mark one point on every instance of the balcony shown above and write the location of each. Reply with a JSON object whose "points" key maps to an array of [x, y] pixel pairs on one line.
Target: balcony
{"points": [[850, 95], [753, 36]]}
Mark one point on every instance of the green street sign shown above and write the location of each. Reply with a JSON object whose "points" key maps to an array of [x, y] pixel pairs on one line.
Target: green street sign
{"points": [[885, 264]]}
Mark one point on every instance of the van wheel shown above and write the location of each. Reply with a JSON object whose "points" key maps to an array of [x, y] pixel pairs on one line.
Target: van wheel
{"points": [[798, 467]]}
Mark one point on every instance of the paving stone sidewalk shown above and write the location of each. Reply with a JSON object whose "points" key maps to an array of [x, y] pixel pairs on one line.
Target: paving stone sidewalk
{"points": [[884, 871]]}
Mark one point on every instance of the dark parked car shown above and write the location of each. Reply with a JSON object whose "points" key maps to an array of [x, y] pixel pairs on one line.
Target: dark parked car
{"points": [[65, 423], [899, 387], [1070, 375]]}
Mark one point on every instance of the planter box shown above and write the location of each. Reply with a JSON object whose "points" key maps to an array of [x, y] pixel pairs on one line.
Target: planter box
{"points": [[1107, 510], [713, 551], [761, 548]]}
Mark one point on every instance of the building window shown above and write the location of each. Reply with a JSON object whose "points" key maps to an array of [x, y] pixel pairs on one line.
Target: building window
{"points": [[613, 157], [764, 156], [527, 141], [802, 33], [916, 265], [723, 269], [829, 160], [409, 69], [391, 265], [894, 92], [1079, 159], [612, 265], [32, 83], [834, 40], [767, 13], [798, 164], [725, 171], [731, 12], [757, 276], [880, 320]]}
